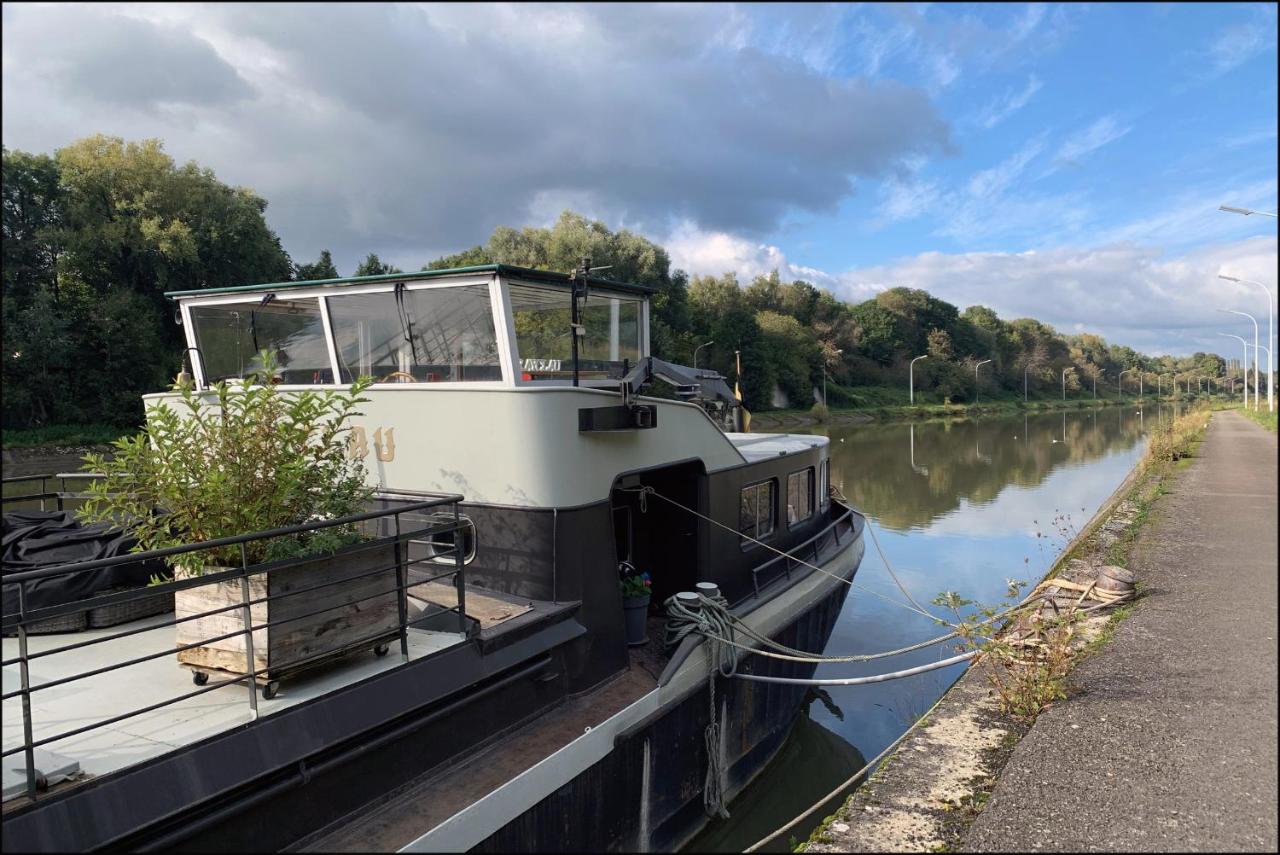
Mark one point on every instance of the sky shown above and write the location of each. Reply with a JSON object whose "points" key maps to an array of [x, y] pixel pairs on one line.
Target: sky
{"points": [[1062, 162]]}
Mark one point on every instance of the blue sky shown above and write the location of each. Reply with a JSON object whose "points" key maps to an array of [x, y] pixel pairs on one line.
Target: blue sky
{"points": [[1063, 162]]}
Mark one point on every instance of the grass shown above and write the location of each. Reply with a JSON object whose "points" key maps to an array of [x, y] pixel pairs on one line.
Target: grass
{"points": [[63, 436], [1262, 417]]}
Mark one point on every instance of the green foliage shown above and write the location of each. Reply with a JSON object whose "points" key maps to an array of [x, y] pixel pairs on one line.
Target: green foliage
{"points": [[247, 458], [321, 268], [373, 266], [1026, 661], [93, 236]]}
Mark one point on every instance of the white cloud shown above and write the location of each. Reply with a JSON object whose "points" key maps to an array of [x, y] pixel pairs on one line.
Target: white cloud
{"points": [[1130, 294], [1009, 103], [1106, 130], [1237, 44]]}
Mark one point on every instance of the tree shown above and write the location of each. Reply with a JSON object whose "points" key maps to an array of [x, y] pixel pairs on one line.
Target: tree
{"points": [[321, 268], [373, 266]]}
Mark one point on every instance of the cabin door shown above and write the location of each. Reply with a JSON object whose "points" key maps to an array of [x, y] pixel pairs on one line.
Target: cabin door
{"points": [[655, 535]]}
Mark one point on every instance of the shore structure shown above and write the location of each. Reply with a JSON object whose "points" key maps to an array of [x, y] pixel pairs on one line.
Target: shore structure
{"points": [[521, 474], [1172, 722]]}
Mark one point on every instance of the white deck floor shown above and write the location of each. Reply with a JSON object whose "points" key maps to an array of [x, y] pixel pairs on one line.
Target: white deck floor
{"points": [[141, 737]]}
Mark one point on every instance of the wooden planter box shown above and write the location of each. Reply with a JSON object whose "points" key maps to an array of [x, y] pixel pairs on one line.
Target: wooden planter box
{"points": [[344, 626]]}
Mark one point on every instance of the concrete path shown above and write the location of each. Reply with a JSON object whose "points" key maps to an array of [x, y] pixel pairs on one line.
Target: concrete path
{"points": [[1171, 743]]}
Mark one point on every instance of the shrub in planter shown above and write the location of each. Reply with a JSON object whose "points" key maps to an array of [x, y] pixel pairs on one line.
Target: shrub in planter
{"points": [[247, 458]]}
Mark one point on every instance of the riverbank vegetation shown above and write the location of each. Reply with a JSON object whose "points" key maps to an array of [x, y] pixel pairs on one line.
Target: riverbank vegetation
{"points": [[97, 232], [1262, 417]]}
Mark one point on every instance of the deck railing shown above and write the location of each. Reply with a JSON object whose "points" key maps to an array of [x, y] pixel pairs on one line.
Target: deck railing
{"points": [[401, 524]]}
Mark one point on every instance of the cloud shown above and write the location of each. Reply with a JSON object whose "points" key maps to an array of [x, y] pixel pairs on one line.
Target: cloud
{"points": [[1009, 103], [1105, 130], [414, 130], [1240, 42], [1131, 294]]}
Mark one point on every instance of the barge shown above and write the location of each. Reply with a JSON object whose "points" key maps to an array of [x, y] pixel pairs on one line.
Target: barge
{"points": [[518, 464]]}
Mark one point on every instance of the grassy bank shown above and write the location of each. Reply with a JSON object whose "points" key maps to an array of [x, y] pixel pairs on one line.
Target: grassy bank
{"points": [[1262, 417], [886, 411], [63, 436]]}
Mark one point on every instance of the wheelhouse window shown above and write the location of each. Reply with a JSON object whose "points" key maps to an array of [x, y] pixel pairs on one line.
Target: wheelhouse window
{"points": [[799, 496], [824, 480], [231, 338], [611, 333], [428, 335], [755, 511]]}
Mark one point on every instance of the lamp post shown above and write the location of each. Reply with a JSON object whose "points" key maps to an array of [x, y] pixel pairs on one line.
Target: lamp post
{"points": [[1096, 375], [1270, 332], [824, 378], [1244, 365], [911, 376], [1264, 349], [1256, 387], [1246, 211], [1025, 369], [975, 378], [1120, 382], [695, 353], [1064, 383]]}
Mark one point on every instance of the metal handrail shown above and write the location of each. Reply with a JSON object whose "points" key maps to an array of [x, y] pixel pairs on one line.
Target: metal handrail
{"points": [[24, 618], [831, 530]]}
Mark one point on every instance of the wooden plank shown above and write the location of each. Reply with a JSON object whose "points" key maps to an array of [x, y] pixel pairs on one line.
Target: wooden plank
{"points": [[487, 610]]}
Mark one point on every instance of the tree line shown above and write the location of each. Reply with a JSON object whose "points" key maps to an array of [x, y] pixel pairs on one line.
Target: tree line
{"points": [[94, 234]]}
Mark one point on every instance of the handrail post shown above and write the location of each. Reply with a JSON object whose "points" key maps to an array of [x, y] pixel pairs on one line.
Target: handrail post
{"points": [[28, 735], [247, 612], [402, 591], [458, 581]]}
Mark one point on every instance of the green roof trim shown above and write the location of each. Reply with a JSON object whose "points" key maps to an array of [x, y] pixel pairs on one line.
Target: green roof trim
{"points": [[543, 276]]}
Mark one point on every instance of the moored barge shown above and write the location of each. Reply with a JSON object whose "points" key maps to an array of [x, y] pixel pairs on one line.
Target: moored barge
{"points": [[518, 463]]}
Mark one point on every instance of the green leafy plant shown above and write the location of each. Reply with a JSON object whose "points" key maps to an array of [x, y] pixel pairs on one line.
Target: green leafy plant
{"points": [[1026, 661], [245, 458], [636, 585]]}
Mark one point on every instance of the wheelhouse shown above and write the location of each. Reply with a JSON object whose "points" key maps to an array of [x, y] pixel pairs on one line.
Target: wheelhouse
{"points": [[486, 326]]}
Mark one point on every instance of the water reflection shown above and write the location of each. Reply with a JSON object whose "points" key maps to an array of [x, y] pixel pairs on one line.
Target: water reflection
{"points": [[946, 464], [961, 506]]}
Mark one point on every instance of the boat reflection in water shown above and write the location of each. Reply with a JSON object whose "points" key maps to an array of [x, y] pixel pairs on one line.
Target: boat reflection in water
{"points": [[811, 763]]}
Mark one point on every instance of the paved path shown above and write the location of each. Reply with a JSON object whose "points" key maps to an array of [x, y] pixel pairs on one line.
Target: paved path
{"points": [[1171, 743]]}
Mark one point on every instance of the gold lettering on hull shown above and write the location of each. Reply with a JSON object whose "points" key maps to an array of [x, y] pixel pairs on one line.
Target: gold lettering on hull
{"points": [[384, 444]]}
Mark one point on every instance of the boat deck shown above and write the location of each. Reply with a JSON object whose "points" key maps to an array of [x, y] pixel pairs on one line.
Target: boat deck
{"points": [[762, 446], [98, 699]]}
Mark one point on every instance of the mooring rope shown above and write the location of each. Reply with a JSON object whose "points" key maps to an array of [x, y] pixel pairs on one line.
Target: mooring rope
{"points": [[645, 491]]}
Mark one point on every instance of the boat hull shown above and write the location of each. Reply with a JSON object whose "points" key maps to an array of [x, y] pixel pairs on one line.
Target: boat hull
{"points": [[647, 793]]}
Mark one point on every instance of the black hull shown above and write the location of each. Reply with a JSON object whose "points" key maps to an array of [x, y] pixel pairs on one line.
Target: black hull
{"points": [[646, 795]]}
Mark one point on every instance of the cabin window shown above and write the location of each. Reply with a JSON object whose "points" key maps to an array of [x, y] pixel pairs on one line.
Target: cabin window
{"points": [[755, 511], [824, 480], [611, 333], [799, 496], [429, 335], [232, 336]]}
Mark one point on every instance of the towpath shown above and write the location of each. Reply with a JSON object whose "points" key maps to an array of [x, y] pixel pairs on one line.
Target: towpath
{"points": [[1171, 743]]}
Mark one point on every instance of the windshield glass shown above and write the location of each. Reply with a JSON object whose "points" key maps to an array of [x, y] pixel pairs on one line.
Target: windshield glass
{"points": [[232, 337], [428, 335], [611, 333]]}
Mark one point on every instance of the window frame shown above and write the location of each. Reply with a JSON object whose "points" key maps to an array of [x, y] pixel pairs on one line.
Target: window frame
{"points": [[809, 471], [772, 485], [498, 305]]}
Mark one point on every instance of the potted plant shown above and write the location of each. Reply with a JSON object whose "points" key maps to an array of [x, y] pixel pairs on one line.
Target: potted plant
{"points": [[636, 589], [247, 458]]}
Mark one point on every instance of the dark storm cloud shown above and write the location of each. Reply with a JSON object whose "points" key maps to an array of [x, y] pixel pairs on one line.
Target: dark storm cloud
{"points": [[129, 61], [408, 129]]}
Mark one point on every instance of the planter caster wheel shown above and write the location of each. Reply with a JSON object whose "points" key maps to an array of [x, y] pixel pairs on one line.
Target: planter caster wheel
{"points": [[199, 678], [381, 650], [269, 690]]}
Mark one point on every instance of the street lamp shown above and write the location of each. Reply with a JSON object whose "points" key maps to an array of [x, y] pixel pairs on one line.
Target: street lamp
{"points": [[824, 378], [1256, 387], [1024, 382], [1244, 364], [1267, 351], [975, 378], [1064, 385], [1096, 375], [695, 353], [1120, 382], [911, 375], [1270, 331], [1245, 211]]}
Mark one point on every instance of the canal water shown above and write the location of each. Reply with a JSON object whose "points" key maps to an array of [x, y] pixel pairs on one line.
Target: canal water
{"points": [[957, 506]]}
